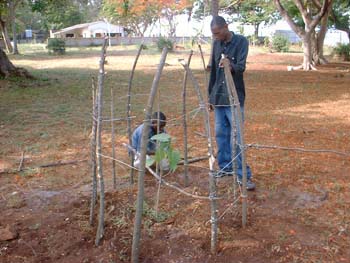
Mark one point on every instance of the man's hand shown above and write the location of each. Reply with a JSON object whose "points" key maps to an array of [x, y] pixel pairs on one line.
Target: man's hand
{"points": [[210, 107], [223, 61]]}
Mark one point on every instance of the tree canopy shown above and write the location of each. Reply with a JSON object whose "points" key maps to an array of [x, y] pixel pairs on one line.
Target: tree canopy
{"points": [[138, 15]]}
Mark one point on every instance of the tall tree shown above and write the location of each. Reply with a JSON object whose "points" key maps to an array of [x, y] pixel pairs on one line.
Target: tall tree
{"points": [[57, 14], [254, 12], [169, 9], [340, 16], [12, 15], [7, 69], [214, 8], [310, 20], [138, 15], [4, 18], [135, 15]]}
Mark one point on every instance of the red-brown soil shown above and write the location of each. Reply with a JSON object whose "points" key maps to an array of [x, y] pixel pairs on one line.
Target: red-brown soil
{"points": [[298, 213]]}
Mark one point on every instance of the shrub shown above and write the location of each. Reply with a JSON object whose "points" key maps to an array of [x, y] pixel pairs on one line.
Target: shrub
{"points": [[342, 50], [267, 42], [280, 43], [56, 46], [164, 42]]}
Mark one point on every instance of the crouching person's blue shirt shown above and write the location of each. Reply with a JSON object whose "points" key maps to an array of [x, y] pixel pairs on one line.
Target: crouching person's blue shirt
{"points": [[136, 140]]}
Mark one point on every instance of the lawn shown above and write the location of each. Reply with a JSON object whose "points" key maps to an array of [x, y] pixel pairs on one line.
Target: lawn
{"points": [[298, 213]]}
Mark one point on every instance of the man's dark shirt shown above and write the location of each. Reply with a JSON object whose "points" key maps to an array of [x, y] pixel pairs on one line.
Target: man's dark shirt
{"points": [[236, 50]]}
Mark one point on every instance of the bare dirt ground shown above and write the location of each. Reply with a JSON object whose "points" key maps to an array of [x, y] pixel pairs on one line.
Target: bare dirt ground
{"points": [[298, 213]]}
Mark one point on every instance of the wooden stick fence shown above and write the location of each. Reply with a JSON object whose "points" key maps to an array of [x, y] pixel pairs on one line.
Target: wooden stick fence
{"points": [[101, 76], [184, 122], [233, 93], [212, 180], [96, 149], [93, 153], [128, 109], [140, 194]]}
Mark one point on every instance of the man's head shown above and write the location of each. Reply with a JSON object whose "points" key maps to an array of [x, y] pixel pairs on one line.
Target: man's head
{"points": [[219, 28], [162, 120]]}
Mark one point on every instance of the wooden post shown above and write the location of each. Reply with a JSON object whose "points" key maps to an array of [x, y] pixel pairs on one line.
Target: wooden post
{"points": [[233, 139], [101, 76], [128, 111], [158, 166], [184, 121], [212, 179], [93, 153], [231, 85], [113, 141], [203, 62], [144, 140]]}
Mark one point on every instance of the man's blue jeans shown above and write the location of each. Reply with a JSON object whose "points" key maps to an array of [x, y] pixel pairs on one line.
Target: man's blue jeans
{"points": [[223, 126]]}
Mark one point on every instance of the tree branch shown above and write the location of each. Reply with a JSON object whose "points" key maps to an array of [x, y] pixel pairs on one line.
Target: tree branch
{"points": [[326, 4], [300, 31]]}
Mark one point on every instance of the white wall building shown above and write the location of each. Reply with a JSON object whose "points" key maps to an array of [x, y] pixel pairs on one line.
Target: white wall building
{"points": [[193, 27], [90, 30]]}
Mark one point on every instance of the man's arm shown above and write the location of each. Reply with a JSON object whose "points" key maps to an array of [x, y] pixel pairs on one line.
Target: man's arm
{"points": [[136, 137], [241, 59], [212, 77]]}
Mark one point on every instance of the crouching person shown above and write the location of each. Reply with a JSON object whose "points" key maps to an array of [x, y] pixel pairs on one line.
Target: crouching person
{"points": [[151, 144]]}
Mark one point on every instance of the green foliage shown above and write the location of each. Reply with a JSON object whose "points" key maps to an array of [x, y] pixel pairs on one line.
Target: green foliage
{"points": [[280, 43], [254, 12], [164, 151], [133, 15], [60, 13], [164, 42], [343, 50], [267, 42], [56, 45], [340, 15]]}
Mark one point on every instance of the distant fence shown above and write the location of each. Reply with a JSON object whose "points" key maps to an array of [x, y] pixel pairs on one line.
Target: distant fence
{"points": [[86, 42]]}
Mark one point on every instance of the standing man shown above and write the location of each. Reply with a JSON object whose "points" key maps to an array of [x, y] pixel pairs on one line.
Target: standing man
{"points": [[235, 49]]}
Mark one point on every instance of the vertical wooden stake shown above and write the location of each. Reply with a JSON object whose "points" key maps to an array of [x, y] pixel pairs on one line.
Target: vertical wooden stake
{"points": [[203, 62], [128, 111], [158, 168], [101, 76], [231, 85], [113, 141], [184, 121], [212, 179], [93, 153], [144, 140]]}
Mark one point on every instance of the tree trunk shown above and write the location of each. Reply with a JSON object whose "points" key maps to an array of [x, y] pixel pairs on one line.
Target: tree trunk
{"points": [[214, 12], [215, 8], [5, 36], [307, 47], [310, 21], [7, 69], [256, 32], [318, 56], [13, 25]]}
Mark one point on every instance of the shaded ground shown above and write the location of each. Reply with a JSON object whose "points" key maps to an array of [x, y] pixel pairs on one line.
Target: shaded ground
{"points": [[299, 212]]}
